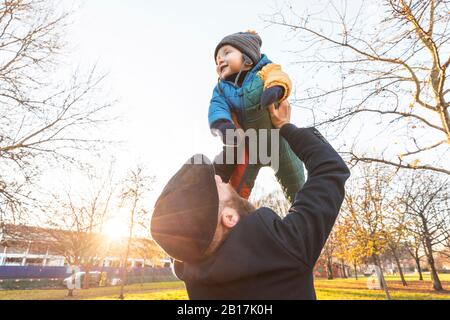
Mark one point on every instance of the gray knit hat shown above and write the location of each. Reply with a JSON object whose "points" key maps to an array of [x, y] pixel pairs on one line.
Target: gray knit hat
{"points": [[248, 43]]}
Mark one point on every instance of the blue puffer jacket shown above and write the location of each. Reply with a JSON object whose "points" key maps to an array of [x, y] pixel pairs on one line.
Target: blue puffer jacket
{"points": [[227, 98]]}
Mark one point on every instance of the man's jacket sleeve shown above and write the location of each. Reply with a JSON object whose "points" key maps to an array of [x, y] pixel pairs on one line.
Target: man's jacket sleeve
{"points": [[308, 224]]}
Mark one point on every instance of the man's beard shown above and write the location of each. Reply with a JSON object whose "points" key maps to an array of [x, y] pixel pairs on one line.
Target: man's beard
{"points": [[241, 205], [245, 207]]}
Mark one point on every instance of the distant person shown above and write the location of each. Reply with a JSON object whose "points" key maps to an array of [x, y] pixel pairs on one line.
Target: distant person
{"points": [[224, 248], [103, 279]]}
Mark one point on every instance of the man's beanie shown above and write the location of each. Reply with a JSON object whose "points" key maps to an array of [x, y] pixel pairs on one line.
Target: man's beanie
{"points": [[185, 216], [248, 43]]}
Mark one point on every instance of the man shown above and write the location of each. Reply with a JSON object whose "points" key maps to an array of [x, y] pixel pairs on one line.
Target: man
{"points": [[224, 248], [71, 284]]}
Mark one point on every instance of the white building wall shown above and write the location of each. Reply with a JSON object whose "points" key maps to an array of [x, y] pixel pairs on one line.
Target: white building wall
{"points": [[53, 261]]}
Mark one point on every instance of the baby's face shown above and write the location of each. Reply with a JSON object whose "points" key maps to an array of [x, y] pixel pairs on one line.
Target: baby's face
{"points": [[229, 61]]}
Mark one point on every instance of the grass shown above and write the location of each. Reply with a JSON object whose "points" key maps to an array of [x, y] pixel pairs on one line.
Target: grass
{"points": [[338, 289], [161, 295], [351, 289], [158, 288]]}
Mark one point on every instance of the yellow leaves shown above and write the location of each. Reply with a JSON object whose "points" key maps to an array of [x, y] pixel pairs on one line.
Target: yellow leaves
{"points": [[415, 164]]}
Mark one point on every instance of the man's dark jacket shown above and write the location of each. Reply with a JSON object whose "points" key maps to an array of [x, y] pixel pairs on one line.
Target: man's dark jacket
{"points": [[265, 256]]}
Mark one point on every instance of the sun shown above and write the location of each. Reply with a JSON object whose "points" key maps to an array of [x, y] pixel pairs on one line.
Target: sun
{"points": [[115, 229]]}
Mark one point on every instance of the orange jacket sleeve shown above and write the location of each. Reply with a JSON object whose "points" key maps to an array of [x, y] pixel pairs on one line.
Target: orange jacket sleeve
{"points": [[272, 75]]}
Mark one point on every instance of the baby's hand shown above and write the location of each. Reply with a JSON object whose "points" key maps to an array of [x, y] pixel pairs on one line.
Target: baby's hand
{"points": [[271, 95], [222, 127]]}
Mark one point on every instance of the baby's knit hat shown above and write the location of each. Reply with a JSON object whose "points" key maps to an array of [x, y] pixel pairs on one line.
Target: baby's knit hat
{"points": [[248, 43]]}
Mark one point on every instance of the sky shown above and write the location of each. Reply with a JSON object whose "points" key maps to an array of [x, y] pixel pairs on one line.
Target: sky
{"points": [[159, 61], [160, 65]]}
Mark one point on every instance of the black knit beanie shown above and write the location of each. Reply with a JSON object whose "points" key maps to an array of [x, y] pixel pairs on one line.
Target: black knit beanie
{"points": [[248, 43], [186, 213]]}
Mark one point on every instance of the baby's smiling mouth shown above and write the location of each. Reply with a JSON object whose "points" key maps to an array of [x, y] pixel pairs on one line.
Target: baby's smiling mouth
{"points": [[223, 67]]}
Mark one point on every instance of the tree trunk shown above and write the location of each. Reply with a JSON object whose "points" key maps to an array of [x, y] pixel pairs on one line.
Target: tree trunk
{"points": [[419, 268], [130, 238], [124, 280], [86, 277], [434, 275], [356, 271], [381, 277], [330, 268], [400, 270], [344, 273], [437, 285], [124, 272]]}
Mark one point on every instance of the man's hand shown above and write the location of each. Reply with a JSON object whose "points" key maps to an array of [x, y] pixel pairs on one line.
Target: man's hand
{"points": [[280, 116]]}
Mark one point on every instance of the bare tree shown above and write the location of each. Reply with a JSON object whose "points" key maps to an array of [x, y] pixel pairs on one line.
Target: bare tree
{"points": [[446, 234], [76, 223], [392, 58], [46, 118], [447, 242], [133, 197], [394, 233], [414, 244], [328, 253], [426, 203]]}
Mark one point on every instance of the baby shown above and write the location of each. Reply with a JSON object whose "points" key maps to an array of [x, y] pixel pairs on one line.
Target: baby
{"points": [[248, 83], [235, 56]]}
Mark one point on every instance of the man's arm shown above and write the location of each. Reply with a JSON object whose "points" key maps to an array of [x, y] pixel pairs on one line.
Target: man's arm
{"points": [[316, 206], [306, 228]]}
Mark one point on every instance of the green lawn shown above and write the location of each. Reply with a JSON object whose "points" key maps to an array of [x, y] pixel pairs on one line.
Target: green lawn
{"points": [[338, 289], [157, 295], [350, 289], [158, 288]]}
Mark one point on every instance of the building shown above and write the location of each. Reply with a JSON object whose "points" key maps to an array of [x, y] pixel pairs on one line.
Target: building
{"points": [[33, 246], [339, 270]]}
